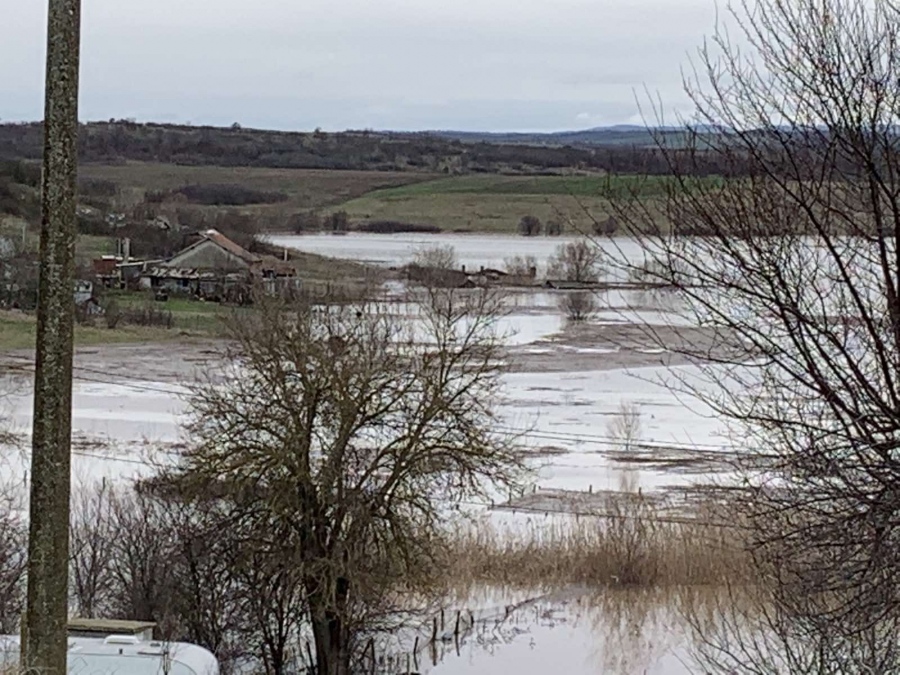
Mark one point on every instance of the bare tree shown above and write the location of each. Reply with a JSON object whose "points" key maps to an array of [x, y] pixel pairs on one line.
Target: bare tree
{"points": [[530, 226], [339, 221], [142, 566], [436, 257], [273, 601], [797, 280], [13, 551], [352, 440], [626, 426], [521, 265], [554, 228], [578, 306], [91, 536], [305, 221], [579, 261]]}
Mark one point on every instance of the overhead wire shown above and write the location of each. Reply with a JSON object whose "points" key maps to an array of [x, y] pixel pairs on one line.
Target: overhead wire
{"points": [[532, 434]]}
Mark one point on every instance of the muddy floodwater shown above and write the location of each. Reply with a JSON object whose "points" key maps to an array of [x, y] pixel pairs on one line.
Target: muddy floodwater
{"points": [[619, 632], [564, 386]]}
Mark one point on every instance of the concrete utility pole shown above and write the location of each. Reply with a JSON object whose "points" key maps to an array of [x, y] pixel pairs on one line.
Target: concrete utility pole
{"points": [[44, 628]]}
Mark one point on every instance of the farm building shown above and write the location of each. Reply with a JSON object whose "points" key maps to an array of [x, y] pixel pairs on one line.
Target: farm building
{"points": [[214, 266]]}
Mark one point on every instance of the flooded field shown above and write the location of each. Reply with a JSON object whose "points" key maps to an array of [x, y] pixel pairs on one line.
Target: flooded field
{"points": [[472, 250], [566, 387], [622, 632], [560, 399]]}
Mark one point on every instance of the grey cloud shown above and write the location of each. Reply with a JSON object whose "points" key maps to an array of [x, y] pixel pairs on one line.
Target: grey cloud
{"points": [[468, 64]]}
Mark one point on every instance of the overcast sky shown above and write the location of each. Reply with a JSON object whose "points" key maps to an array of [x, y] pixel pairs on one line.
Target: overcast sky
{"points": [[496, 65]]}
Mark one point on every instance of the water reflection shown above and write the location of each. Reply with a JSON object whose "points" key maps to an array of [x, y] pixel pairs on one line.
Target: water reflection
{"points": [[618, 631]]}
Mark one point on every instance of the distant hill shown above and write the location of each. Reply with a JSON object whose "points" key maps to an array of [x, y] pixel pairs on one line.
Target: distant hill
{"points": [[617, 149], [618, 135]]}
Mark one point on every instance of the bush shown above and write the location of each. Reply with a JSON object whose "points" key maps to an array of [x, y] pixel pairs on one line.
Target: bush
{"points": [[578, 306], [305, 221], [554, 228], [147, 315], [395, 226], [113, 314], [580, 261], [606, 227], [155, 196], [436, 257], [338, 221], [24, 173], [91, 223], [220, 194], [521, 265], [530, 226], [95, 187]]}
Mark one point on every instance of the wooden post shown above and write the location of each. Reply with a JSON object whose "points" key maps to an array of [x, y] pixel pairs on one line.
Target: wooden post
{"points": [[44, 647]]}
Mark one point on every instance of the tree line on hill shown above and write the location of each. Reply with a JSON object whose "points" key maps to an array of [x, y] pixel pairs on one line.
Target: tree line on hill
{"points": [[116, 141]]}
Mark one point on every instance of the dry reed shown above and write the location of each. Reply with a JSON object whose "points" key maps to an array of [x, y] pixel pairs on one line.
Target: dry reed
{"points": [[633, 545]]}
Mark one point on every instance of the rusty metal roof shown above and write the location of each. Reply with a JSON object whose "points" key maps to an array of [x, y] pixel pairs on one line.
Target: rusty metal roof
{"points": [[235, 249]]}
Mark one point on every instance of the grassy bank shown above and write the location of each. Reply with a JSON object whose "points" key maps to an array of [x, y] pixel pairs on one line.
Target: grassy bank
{"points": [[17, 331]]}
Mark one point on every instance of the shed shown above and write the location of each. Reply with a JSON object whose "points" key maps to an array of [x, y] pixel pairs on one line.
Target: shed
{"points": [[101, 628]]}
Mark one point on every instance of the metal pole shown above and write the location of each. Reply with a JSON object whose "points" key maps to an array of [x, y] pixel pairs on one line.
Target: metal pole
{"points": [[44, 628]]}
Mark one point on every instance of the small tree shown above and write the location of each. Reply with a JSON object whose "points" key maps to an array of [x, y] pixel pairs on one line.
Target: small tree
{"points": [[530, 226], [436, 257], [13, 553], [305, 221], [554, 228], [521, 265], [339, 221], [606, 227], [578, 306], [112, 313], [91, 536], [626, 427], [579, 261]]}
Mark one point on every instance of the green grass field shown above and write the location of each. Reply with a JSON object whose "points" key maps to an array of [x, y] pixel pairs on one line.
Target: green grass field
{"points": [[495, 203], [305, 188], [593, 186], [17, 331], [478, 203]]}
